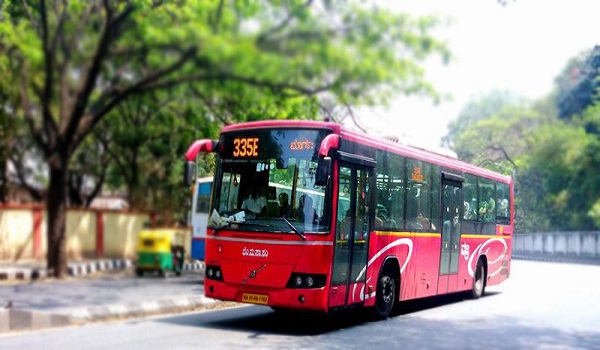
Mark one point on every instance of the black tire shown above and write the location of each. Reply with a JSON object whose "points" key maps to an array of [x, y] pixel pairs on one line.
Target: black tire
{"points": [[385, 296], [479, 280], [139, 272]]}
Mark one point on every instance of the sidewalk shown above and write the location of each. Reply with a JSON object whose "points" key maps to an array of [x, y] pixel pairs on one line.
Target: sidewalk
{"points": [[94, 291]]}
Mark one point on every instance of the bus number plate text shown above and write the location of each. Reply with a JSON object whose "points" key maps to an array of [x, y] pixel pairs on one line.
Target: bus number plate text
{"points": [[255, 298]]}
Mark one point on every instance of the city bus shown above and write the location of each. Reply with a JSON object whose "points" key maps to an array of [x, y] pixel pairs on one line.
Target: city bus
{"points": [[199, 216], [366, 222]]}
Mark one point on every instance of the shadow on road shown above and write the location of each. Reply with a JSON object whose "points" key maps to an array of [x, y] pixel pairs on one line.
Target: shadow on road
{"points": [[263, 320], [412, 306]]}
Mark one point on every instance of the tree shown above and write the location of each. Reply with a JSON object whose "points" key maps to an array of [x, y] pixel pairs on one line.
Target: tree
{"points": [[480, 108], [87, 173], [74, 61], [558, 179], [578, 84], [7, 131], [497, 132]]}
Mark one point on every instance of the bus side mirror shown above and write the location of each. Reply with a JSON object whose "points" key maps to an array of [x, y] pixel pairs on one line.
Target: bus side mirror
{"points": [[188, 173], [323, 171]]}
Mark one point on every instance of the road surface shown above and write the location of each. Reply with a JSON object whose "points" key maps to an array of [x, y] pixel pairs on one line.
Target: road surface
{"points": [[542, 306]]}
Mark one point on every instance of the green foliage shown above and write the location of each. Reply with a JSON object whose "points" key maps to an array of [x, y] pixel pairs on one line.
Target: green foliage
{"points": [[195, 65], [551, 175], [477, 109], [554, 162], [594, 213], [578, 84]]}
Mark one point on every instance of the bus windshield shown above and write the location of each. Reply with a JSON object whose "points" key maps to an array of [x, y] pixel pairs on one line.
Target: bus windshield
{"points": [[265, 181]]}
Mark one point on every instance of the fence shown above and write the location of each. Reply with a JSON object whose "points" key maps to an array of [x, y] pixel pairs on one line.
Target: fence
{"points": [[578, 246], [89, 233]]}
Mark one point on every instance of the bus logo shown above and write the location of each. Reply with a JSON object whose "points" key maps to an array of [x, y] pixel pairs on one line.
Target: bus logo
{"points": [[253, 273], [261, 253], [464, 250]]}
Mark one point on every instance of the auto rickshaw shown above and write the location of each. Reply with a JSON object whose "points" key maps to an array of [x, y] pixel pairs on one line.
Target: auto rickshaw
{"points": [[160, 250]]}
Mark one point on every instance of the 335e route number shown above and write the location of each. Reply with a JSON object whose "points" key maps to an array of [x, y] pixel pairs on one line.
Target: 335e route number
{"points": [[245, 147]]}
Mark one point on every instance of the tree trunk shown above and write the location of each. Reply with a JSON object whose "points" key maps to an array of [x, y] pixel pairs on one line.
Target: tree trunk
{"points": [[57, 218]]}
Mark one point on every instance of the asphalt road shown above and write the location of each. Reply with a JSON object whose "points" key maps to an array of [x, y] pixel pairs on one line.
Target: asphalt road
{"points": [[542, 306]]}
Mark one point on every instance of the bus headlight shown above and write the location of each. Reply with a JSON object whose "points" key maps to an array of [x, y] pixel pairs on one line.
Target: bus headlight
{"points": [[214, 273], [309, 281], [306, 280]]}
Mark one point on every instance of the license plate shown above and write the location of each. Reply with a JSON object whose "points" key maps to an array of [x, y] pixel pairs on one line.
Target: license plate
{"points": [[255, 298]]}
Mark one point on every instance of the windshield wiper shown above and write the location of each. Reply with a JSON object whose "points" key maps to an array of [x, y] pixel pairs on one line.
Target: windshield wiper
{"points": [[294, 229]]}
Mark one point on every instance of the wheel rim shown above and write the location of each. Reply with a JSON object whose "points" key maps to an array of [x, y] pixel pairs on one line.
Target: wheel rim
{"points": [[387, 291]]}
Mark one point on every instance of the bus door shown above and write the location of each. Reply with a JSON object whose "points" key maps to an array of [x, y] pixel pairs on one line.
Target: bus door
{"points": [[352, 239], [452, 220]]}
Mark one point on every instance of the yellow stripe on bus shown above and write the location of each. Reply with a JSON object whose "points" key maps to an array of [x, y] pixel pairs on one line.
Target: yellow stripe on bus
{"points": [[483, 236], [418, 234]]}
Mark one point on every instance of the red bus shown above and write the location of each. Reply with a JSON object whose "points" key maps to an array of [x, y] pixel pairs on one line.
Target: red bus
{"points": [[310, 215]]}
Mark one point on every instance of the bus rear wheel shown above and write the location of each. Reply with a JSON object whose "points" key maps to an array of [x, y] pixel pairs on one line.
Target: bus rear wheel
{"points": [[478, 280], [385, 296]]}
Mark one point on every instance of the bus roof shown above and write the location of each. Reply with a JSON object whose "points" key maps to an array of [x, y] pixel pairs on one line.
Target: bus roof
{"points": [[433, 156]]}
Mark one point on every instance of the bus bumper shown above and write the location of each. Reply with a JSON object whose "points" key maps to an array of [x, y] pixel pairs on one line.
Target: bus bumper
{"points": [[290, 298]]}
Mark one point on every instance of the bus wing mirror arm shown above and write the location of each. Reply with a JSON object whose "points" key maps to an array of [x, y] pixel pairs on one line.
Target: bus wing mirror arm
{"points": [[199, 146], [323, 171]]}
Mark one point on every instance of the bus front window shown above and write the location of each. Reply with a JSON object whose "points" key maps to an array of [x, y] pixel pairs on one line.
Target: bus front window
{"points": [[271, 194]]}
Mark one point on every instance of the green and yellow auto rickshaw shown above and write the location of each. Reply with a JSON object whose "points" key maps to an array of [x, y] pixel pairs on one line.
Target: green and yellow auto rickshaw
{"points": [[160, 250]]}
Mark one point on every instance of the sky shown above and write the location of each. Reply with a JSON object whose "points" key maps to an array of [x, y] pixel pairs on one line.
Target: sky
{"points": [[520, 47]]}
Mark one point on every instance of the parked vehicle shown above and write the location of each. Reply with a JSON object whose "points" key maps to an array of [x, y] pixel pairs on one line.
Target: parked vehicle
{"points": [[160, 250]]}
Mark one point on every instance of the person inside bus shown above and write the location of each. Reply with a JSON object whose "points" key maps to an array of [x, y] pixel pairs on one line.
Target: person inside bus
{"points": [[451, 226], [306, 210], [487, 208], [424, 222], [359, 234], [381, 216], [345, 225], [390, 222], [502, 206], [256, 202], [284, 205]]}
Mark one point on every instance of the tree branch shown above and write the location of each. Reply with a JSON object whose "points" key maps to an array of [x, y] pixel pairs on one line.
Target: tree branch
{"points": [[354, 118], [273, 86], [97, 186], [46, 95], [76, 125], [262, 37], [217, 20], [106, 143], [18, 166], [118, 96], [26, 105], [34, 23], [209, 105], [328, 112], [506, 156]]}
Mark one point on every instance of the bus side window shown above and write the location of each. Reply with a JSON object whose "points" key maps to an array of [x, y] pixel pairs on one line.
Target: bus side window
{"points": [[502, 204]]}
